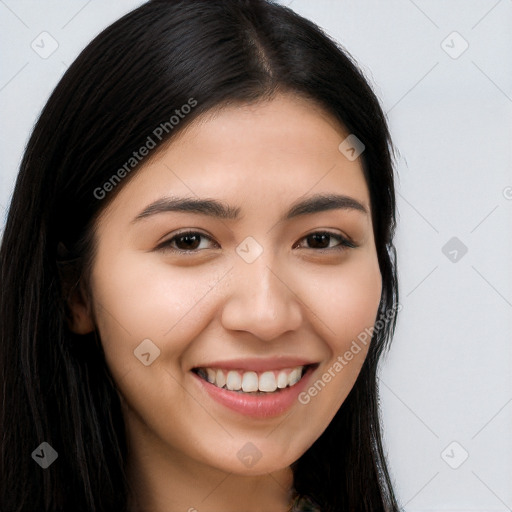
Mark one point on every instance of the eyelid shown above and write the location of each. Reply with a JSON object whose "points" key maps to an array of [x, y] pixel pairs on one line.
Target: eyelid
{"points": [[344, 241], [165, 245]]}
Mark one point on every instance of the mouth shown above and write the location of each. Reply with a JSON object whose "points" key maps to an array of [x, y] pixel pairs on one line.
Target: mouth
{"points": [[249, 382]]}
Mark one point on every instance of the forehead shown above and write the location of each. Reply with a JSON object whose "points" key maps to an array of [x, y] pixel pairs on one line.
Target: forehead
{"points": [[277, 149]]}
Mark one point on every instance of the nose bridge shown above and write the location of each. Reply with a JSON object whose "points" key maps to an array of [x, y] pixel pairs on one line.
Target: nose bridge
{"points": [[260, 301]]}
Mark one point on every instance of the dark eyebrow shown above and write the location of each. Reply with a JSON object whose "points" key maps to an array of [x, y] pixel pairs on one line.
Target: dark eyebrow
{"points": [[219, 210]]}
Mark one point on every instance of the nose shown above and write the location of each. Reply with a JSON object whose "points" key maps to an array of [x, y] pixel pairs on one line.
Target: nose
{"points": [[262, 300]]}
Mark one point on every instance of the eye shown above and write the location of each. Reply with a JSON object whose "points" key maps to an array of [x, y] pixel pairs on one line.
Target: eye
{"points": [[185, 242], [321, 241], [188, 242]]}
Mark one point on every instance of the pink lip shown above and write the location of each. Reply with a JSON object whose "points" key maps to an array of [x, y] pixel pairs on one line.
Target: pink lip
{"points": [[257, 406], [258, 365]]}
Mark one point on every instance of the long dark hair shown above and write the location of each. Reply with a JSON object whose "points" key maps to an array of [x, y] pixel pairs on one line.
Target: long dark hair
{"points": [[127, 82]]}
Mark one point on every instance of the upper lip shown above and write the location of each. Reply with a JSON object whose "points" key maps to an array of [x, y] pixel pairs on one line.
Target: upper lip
{"points": [[258, 364]]}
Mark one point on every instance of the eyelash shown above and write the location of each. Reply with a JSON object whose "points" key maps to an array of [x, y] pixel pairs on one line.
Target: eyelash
{"points": [[344, 243]]}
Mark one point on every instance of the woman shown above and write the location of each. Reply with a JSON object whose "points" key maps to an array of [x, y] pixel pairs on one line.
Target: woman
{"points": [[198, 273]]}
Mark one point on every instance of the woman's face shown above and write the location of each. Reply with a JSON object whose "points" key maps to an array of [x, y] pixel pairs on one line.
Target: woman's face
{"points": [[258, 295]]}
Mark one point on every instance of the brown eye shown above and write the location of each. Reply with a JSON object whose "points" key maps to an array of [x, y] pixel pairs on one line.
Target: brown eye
{"points": [[321, 240], [185, 242], [190, 242]]}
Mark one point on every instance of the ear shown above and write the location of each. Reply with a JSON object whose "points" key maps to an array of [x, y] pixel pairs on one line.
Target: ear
{"points": [[81, 321]]}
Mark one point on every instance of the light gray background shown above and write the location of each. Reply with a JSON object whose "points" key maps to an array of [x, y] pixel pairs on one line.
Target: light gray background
{"points": [[447, 377]]}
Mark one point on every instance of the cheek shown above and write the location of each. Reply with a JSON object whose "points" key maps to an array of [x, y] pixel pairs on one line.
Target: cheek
{"points": [[346, 299], [136, 299]]}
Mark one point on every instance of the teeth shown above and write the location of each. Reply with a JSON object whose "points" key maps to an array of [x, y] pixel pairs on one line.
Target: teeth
{"points": [[294, 376], [282, 380], [267, 382], [220, 379], [234, 381], [250, 381]]}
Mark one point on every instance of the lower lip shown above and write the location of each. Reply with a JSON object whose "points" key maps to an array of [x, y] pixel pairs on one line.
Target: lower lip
{"points": [[257, 406]]}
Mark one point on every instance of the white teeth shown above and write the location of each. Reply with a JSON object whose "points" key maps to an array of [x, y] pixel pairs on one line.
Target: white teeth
{"points": [[267, 382], [294, 376], [250, 382], [234, 381], [220, 379], [282, 380], [211, 375]]}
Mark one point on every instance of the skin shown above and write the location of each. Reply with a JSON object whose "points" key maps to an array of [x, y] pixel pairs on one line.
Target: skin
{"points": [[293, 300]]}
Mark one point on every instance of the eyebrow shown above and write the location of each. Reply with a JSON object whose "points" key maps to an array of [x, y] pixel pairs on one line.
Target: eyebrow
{"points": [[217, 209]]}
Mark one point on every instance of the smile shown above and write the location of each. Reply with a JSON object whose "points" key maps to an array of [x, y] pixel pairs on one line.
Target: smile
{"points": [[254, 387], [251, 381]]}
